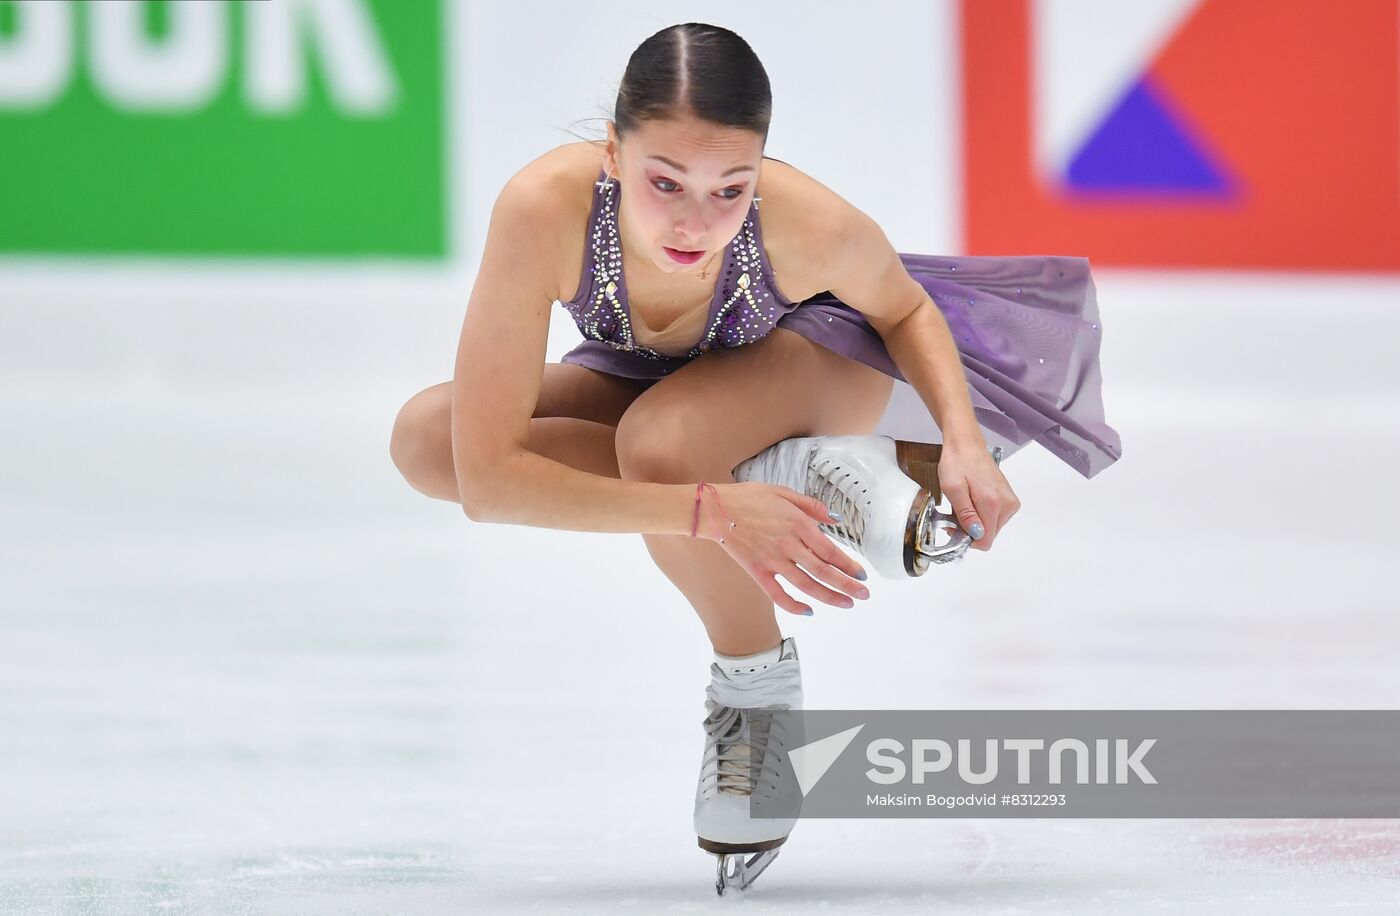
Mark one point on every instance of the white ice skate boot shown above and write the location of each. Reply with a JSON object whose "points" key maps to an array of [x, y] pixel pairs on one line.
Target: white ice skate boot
{"points": [[885, 489], [744, 746]]}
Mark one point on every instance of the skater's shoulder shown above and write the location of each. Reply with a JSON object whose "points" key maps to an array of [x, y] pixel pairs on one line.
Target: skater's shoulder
{"points": [[799, 209], [557, 184], [549, 200], [807, 226]]}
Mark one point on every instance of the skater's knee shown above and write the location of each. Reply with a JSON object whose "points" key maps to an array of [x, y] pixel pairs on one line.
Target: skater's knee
{"points": [[421, 430], [656, 446]]}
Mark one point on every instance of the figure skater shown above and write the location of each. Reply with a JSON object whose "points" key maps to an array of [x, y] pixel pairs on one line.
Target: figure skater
{"points": [[745, 388]]}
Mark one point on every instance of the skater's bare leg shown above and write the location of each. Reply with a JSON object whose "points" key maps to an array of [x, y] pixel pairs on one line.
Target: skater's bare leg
{"points": [[709, 415], [575, 424]]}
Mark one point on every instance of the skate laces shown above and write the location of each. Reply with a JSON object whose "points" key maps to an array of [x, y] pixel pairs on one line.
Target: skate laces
{"points": [[739, 722], [741, 739], [829, 485]]}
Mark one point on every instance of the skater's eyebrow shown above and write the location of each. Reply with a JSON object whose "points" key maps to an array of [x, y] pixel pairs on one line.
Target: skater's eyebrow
{"points": [[680, 168]]}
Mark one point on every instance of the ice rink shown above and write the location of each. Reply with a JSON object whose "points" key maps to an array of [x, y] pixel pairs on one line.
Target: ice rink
{"points": [[244, 668]]}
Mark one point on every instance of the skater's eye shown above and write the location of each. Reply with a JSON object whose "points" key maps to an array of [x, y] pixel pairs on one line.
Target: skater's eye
{"points": [[724, 194]]}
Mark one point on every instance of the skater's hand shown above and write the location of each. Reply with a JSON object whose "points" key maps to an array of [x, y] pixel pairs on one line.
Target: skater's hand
{"points": [[982, 499], [776, 534]]}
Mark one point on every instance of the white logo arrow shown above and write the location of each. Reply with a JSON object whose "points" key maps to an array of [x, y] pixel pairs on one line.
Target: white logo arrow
{"points": [[811, 761]]}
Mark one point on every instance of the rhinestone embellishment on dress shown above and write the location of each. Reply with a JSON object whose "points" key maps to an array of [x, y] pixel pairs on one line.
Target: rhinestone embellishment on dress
{"points": [[745, 314]]}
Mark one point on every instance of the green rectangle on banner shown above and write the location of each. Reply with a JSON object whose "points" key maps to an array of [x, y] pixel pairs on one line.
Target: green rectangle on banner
{"points": [[294, 128]]}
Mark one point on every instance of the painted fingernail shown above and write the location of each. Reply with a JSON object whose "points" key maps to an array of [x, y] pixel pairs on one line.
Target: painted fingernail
{"points": [[860, 574], [807, 612], [976, 530], [834, 516]]}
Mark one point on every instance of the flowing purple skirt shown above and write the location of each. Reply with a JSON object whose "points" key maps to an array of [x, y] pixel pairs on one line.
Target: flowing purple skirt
{"points": [[1027, 330]]}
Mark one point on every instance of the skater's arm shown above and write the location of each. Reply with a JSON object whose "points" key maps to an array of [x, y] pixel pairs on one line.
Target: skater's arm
{"points": [[921, 345], [867, 274], [496, 386], [530, 489]]}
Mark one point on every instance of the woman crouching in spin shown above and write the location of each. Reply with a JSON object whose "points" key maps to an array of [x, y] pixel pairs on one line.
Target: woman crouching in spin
{"points": [[724, 400]]}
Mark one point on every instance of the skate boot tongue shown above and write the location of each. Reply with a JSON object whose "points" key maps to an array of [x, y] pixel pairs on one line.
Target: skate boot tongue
{"points": [[771, 679], [744, 692], [750, 664]]}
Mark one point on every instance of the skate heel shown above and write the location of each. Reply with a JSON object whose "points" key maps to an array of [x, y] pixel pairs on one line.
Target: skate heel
{"points": [[919, 461], [732, 848]]}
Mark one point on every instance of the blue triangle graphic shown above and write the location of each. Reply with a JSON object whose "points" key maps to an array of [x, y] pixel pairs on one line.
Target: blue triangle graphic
{"points": [[1141, 146]]}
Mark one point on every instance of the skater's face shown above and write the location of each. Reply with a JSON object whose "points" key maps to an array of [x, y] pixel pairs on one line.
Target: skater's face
{"points": [[687, 185]]}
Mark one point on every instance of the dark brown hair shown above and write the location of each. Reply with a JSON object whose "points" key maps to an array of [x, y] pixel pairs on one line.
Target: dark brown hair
{"points": [[698, 69]]}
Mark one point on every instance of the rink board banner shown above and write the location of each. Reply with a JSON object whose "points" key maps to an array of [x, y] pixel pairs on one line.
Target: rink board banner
{"points": [[301, 128], [1078, 763], [1210, 133]]}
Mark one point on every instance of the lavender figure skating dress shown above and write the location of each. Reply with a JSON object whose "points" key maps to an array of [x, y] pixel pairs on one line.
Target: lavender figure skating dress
{"points": [[1026, 327]]}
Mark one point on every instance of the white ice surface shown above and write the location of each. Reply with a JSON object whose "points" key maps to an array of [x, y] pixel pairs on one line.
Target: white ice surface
{"points": [[244, 668]]}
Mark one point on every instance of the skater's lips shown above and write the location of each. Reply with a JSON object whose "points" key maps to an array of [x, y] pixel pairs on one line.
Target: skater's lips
{"points": [[684, 257]]}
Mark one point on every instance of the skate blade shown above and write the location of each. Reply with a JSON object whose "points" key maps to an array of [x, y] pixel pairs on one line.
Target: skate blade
{"points": [[735, 873], [922, 547]]}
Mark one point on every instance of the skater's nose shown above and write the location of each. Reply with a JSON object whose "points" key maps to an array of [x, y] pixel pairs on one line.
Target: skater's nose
{"points": [[690, 223]]}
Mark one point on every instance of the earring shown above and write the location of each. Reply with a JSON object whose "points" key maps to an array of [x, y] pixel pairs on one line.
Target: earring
{"points": [[604, 184]]}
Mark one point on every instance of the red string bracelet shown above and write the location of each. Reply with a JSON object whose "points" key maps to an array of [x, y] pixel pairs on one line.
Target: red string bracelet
{"points": [[695, 521]]}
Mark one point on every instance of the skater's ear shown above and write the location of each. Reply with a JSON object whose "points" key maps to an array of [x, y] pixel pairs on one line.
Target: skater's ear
{"points": [[612, 152]]}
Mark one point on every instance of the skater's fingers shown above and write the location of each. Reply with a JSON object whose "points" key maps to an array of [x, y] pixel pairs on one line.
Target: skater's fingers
{"points": [[769, 583], [996, 528], [996, 507], [799, 578], [834, 566], [812, 506], [1008, 509], [960, 498], [845, 585]]}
